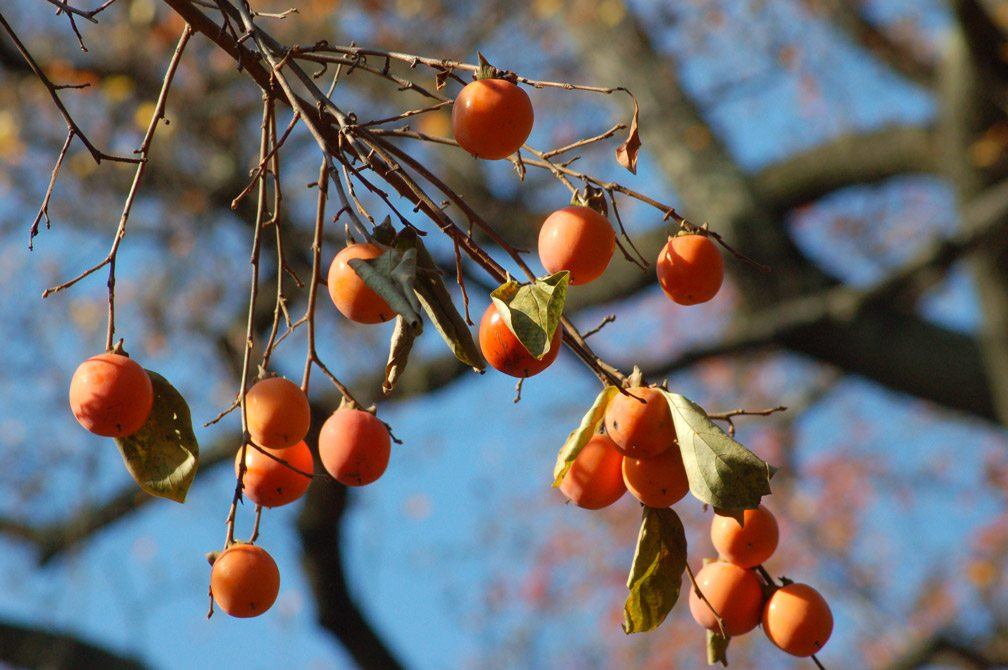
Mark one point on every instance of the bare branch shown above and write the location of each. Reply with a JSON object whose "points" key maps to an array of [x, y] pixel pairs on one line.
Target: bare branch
{"points": [[902, 56], [97, 154], [848, 160], [44, 209]]}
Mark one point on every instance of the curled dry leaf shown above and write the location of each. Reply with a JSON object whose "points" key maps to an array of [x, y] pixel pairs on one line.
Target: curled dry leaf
{"points": [[626, 153], [717, 648], [400, 346]]}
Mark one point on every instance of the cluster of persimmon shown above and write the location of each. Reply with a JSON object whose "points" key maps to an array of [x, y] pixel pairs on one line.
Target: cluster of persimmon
{"points": [[795, 617], [639, 452], [491, 119], [111, 395], [581, 241], [354, 447]]}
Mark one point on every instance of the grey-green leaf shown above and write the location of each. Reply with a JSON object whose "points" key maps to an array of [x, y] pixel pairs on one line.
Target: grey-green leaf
{"points": [[532, 311], [721, 472], [163, 455], [436, 301], [656, 573], [392, 276], [579, 437]]}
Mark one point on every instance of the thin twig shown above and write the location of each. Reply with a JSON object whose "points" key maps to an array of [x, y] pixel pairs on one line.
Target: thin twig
{"points": [[250, 322], [141, 164], [607, 320], [254, 179], [585, 142], [83, 13], [44, 209], [703, 598]]}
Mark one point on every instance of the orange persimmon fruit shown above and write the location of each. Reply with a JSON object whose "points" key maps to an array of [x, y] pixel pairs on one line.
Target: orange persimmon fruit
{"points": [[111, 395], [492, 118], [595, 479], [640, 422], [244, 580], [734, 593], [354, 447], [577, 239], [751, 543], [353, 298], [504, 351], [659, 481], [690, 269], [278, 413], [797, 619], [270, 483]]}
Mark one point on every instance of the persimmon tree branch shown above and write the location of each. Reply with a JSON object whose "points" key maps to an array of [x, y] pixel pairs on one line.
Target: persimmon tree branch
{"points": [[52, 540], [848, 160], [969, 112], [900, 55], [72, 125], [348, 142], [954, 649], [709, 178], [853, 308], [33, 647]]}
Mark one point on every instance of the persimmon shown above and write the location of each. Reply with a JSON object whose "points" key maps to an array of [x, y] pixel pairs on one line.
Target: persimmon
{"points": [[735, 594], [659, 481], [111, 395], [504, 351], [492, 118], [270, 483], [244, 580], [353, 298], [690, 269], [354, 447], [278, 413], [640, 422], [577, 239], [797, 619], [595, 479], [751, 543]]}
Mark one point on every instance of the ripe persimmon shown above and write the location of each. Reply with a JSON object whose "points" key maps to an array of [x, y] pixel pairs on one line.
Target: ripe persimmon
{"points": [[734, 593], [278, 413], [353, 298], [354, 446], [504, 351], [492, 118], [690, 269], [640, 423], [111, 395], [268, 482], [244, 580], [577, 239], [747, 545], [659, 481], [797, 619], [595, 479]]}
